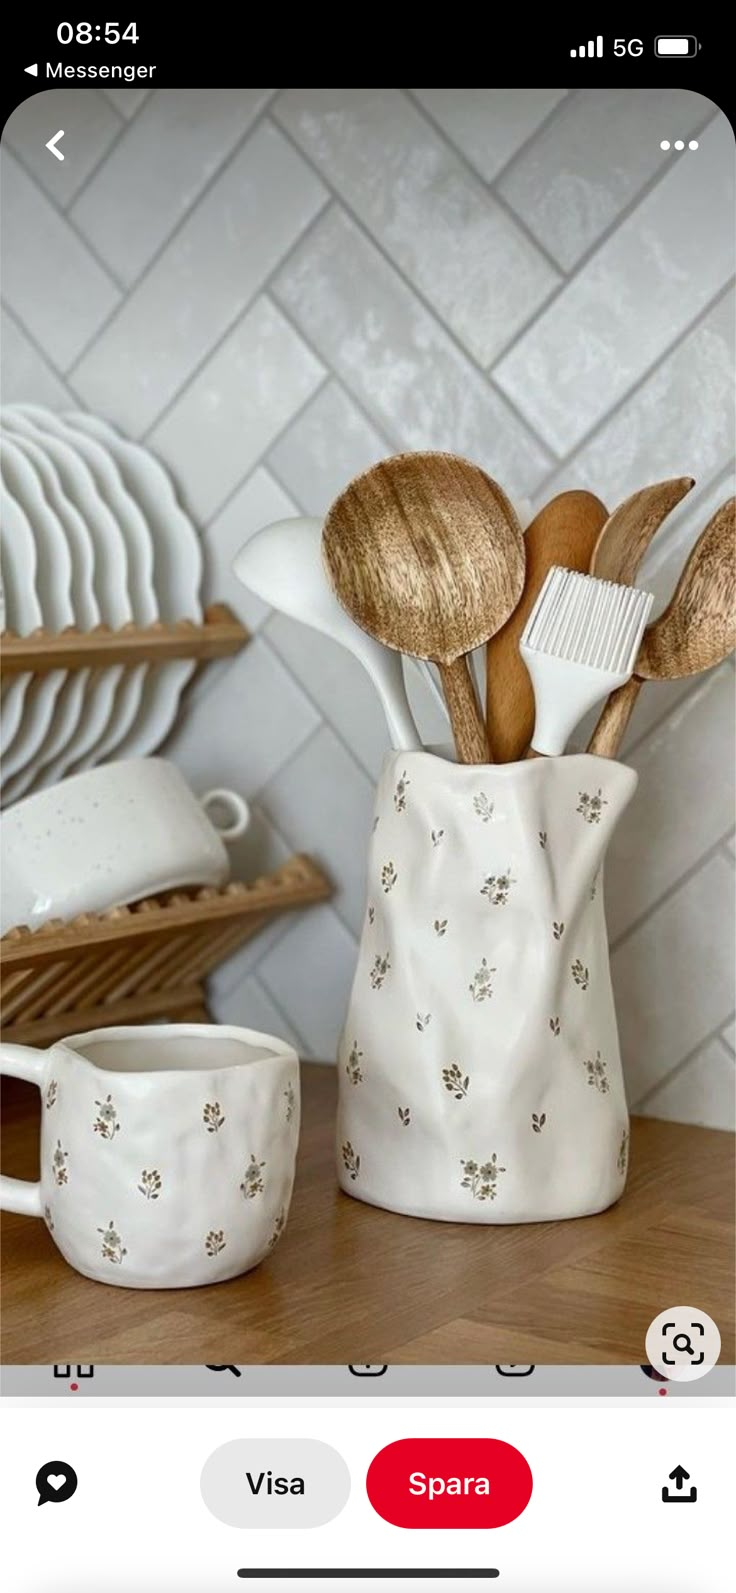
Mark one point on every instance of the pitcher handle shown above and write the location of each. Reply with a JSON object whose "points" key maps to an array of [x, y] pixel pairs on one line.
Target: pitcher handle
{"points": [[22, 1062]]}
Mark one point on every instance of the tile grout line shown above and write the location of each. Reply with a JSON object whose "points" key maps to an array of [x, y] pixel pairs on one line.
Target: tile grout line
{"points": [[62, 215], [275, 1002], [714, 850], [343, 205], [679, 1067], [318, 707], [42, 353], [130, 288], [666, 354]]}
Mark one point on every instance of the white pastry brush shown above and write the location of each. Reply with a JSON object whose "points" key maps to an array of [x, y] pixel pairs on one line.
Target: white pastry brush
{"points": [[579, 643]]}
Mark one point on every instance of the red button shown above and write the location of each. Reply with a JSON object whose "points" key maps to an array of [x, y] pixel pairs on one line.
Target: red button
{"points": [[449, 1482]]}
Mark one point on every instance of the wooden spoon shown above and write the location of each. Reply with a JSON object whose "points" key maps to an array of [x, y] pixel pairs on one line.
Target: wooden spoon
{"points": [[425, 552], [564, 532], [695, 631], [627, 533]]}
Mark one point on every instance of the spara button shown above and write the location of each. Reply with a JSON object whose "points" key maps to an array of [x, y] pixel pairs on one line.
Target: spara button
{"points": [[275, 1482], [449, 1482]]}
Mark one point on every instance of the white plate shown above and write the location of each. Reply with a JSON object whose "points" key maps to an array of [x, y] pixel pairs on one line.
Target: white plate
{"points": [[23, 610], [69, 705], [177, 566], [113, 695], [177, 552], [53, 586]]}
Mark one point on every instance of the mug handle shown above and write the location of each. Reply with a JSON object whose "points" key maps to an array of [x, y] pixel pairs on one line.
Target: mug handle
{"points": [[22, 1062], [222, 797]]}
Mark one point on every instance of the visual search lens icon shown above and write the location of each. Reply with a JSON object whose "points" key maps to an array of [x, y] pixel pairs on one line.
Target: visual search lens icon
{"points": [[683, 1343]]}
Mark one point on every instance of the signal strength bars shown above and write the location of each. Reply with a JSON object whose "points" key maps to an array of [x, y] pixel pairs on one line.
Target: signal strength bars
{"points": [[593, 47]]}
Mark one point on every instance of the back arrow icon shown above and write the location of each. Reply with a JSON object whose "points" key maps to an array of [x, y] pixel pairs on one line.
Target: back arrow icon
{"points": [[52, 143]]}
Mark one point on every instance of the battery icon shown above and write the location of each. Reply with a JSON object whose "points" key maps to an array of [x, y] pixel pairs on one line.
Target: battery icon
{"points": [[676, 44]]}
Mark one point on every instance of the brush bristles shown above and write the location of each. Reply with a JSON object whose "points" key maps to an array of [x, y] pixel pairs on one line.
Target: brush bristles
{"points": [[586, 621]]}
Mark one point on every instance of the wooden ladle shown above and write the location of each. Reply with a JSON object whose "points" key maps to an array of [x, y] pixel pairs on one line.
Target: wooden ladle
{"points": [[696, 631], [627, 533], [425, 553]]}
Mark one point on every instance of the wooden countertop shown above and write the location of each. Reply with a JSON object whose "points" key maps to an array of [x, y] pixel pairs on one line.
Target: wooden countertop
{"points": [[350, 1283]]}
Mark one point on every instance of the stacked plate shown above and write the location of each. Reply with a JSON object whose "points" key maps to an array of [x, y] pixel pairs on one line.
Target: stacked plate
{"points": [[92, 534]]}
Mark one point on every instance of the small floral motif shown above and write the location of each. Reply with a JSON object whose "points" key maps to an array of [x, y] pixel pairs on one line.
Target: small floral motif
{"points": [[402, 787], [592, 807], [580, 974], [558, 931], [58, 1164], [594, 887], [278, 1229], [52, 1092], [352, 1067], [480, 986], [543, 839], [48, 1219], [252, 1184], [597, 1074], [112, 1245], [379, 970], [423, 1018], [150, 1184], [106, 1123], [538, 1121], [351, 1160], [290, 1098], [455, 1081], [389, 877], [497, 887], [440, 927], [437, 837], [622, 1160], [481, 1180], [483, 807], [212, 1117], [405, 1116], [371, 915], [554, 1024], [215, 1241]]}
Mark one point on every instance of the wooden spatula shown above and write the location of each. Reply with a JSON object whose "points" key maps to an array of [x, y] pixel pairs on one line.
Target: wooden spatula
{"points": [[564, 532]]}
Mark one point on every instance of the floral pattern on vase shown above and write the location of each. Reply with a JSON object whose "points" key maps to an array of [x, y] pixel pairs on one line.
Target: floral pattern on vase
{"points": [[52, 1091], [106, 1122], [150, 1184], [215, 1242], [252, 1182], [59, 1169], [352, 1066], [113, 1249], [212, 1117], [499, 991]]}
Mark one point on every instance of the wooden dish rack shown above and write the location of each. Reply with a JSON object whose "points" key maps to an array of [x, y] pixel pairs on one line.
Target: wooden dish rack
{"points": [[148, 961]]}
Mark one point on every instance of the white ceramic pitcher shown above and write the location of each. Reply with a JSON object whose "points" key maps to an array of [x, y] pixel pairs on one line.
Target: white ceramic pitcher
{"points": [[479, 1069], [167, 1151]]}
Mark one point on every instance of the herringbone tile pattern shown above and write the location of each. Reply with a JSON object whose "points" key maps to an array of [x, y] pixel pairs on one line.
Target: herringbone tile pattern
{"points": [[276, 287]]}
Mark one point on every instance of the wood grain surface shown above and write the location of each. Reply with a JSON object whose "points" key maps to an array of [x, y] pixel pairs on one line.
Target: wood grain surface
{"points": [[696, 631], [627, 533], [350, 1283], [424, 551], [564, 532]]}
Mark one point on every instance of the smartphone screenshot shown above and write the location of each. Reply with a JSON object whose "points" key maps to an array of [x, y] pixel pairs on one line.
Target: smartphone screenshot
{"points": [[367, 844]]}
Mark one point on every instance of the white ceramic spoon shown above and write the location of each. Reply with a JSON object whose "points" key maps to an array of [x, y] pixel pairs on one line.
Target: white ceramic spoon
{"points": [[283, 565]]}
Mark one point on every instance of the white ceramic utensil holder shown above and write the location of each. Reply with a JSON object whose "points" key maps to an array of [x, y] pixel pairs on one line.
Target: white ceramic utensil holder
{"points": [[479, 1068], [167, 1151]]}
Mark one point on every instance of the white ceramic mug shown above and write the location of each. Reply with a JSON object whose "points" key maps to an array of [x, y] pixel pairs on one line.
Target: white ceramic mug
{"points": [[167, 1151], [109, 836]]}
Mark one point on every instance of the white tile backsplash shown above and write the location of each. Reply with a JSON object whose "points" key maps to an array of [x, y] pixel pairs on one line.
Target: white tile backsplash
{"points": [[579, 358], [490, 125], [566, 194], [164, 160], [217, 261], [236, 405], [54, 285], [396, 356], [463, 252], [270, 349]]}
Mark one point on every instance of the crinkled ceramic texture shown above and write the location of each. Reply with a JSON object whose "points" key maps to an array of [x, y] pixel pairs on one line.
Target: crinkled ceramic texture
{"points": [[221, 1142], [479, 1069]]}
